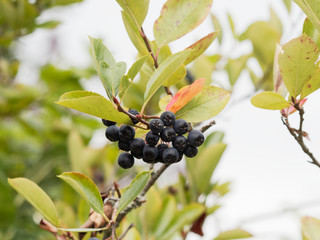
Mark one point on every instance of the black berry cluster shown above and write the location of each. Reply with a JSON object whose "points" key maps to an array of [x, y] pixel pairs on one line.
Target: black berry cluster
{"points": [[165, 142]]}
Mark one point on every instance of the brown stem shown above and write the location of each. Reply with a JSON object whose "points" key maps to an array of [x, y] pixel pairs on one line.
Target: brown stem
{"points": [[155, 59], [209, 125], [298, 134], [125, 233]]}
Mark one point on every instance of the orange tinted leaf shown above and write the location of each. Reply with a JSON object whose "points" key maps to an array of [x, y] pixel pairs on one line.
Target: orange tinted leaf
{"points": [[184, 95]]}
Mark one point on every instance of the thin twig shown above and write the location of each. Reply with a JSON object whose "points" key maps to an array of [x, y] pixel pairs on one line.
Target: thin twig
{"points": [[116, 187], [209, 125], [298, 134], [125, 233]]}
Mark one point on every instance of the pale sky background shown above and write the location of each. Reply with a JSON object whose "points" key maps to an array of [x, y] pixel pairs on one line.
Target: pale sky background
{"points": [[272, 183]]}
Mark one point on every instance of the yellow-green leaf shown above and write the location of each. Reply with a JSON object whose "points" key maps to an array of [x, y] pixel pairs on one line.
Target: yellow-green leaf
{"points": [[311, 31], [133, 190], [86, 188], [137, 9], [184, 217], [233, 234], [297, 63], [200, 46], [312, 9], [207, 104], [312, 85], [217, 27], [134, 34], [93, 104], [202, 166], [167, 214], [36, 197], [310, 228], [179, 17], [234, 67], [163, 73], [269, 100]]}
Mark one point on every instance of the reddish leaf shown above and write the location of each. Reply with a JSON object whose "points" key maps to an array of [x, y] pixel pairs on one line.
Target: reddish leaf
{"points": [[197, 225], [184, 95], [289, 110]]}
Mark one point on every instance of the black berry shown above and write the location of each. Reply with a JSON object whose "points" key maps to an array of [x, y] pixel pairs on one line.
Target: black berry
{"points": [[108, 123], [133, 112], [170, 155], [190, 151], [124, 146], [168, 118], [168, 134], [149, 154], [181, 126], [112, 133], [152, 138], [195, 138], [180, 143], [156, 125], [125, 160], [161, 147], [126, 133], [136, 147]]}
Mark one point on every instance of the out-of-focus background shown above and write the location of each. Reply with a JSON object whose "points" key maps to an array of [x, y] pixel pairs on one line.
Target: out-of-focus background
{"points": [[272, 183]]}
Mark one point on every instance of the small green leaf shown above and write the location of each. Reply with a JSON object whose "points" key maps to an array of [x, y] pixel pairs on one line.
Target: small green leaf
{"points": [[101, 54], [184, 217], [93, 104], [86, 188], [49, 24], [136, 67], [312, 9], [83, 230], [310, 228], [167, 214], [137, 9], [212, 209], [36, 197], [311, 31], [111, 77], [217, 27], [179, 17], [231, 24], [233, 234], [297, 63], [163, 73], [133, 190], [203, 165], [312, 85], [234, 67], [269, 100], [134, 34], [207, 104], [200, 46]]}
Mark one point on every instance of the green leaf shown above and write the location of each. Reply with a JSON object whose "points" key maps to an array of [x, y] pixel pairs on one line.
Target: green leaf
{"points": [[75, 150], [310, 228], [163, 73], [297, 63], [234, 67], [312, 85], [101, 53], [311, 31], [200, 46], [93, 104], [134, 34], [133, 190], [137, 10], [201, 167], [36, 197], [135, 68], [111, 77], [184, 217], [176, 77], [167, 214], [83, 230], [179, 17], [269, 100], [233, 234], [287, 3], [231, 24], [86, 188], [312, 9], [217, 27], [207, 104], [49, 24]]}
